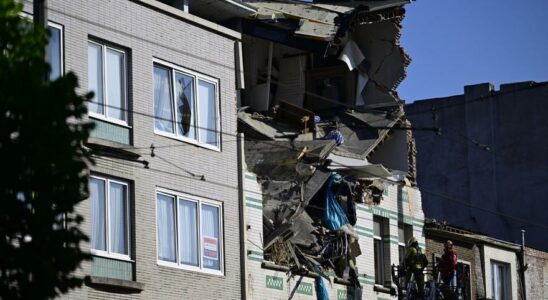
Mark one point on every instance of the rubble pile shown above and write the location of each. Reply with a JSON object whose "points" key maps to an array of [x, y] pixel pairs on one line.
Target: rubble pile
{"points": [[309, 205]]}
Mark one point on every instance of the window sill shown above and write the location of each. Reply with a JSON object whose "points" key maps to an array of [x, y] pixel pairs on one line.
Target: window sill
{"points": [[186, 140], [110, 256], [105, 283], [189, 268], [112, 149], [93, 116]]}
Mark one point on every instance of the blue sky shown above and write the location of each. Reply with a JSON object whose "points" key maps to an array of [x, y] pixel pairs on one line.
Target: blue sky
{"points": [[459, 42]]}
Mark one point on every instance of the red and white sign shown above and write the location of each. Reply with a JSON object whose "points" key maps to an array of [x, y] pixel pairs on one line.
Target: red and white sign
{"points": [[211, 247]]}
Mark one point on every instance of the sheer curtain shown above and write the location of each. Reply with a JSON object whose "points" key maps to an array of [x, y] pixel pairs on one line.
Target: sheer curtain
{"points": [[54, 52], [95, 77], [210, 237], [188, 233], [97, 194], [166, 228], [115, 84], [163, 111], [207, 120], [118, 219]]}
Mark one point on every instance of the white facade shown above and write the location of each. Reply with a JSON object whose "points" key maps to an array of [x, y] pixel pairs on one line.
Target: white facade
{"points": [[395, 208]]}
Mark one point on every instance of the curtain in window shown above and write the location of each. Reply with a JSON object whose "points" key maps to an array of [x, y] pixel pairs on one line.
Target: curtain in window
{"points": [[54, 52], [166, 228], [207, 119], [188, 233], [185, 105], [498, 281], [115, 84], [95, 77], [162, 100], [97, 194], [210, 237], [118, 219]]}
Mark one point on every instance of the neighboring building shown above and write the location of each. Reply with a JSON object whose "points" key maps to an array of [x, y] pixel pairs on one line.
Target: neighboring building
{"points": [[486, 169], [536, 274], [162, 222], [484, 172], [487, 268]]}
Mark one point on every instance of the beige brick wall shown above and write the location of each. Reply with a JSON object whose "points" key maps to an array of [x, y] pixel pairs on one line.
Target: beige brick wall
{"points": [[148, 34]]}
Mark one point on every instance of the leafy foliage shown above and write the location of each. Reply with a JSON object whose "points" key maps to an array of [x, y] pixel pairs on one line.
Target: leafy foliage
{"points": [[43, 166]]}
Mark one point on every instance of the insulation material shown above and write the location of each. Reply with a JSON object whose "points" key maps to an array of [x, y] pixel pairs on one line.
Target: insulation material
{"points": [[291, 85], [385, 59], [351, 55], [360, 86]]}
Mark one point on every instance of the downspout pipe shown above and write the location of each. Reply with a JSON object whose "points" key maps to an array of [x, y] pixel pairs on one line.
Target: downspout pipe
{"points": [[243, 222], [40, 19], [522, 265]]}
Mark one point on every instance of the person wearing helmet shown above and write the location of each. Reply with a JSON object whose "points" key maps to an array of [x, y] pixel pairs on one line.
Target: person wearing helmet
{"points": [[415, 262], [448, 265]]}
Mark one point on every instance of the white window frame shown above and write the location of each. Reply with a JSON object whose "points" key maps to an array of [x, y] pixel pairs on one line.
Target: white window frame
{"points": [[376, 239], [507, 278], [61, 45], [104, 81], [108, 253], [177, 196], [61, 28], [172, 68]]}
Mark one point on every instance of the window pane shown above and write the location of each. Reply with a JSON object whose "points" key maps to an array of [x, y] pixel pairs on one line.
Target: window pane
{"points": [[97, 194], [184, 89], [377, 252], [188, 233], [115, 85], [210, 237], [207, 119], [95, 77], [401, 234], [162, 100], [377, 228], [166, 228], [118, 219], [54, 52]]}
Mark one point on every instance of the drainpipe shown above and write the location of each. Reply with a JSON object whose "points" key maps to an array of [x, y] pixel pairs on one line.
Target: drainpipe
{"points": [[522, 265], [40, 13], [243, 221], [40, 18]]}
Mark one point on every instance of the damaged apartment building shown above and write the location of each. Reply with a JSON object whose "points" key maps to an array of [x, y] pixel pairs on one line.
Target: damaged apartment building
{"points": [[327, 155]]}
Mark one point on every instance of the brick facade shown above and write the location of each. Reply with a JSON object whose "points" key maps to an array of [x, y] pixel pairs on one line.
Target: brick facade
{"points": [[148, 33], [536, 276]]}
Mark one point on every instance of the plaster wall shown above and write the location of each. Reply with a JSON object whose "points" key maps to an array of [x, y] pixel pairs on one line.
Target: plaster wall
{"points": [[509, 257], [489, 161]]}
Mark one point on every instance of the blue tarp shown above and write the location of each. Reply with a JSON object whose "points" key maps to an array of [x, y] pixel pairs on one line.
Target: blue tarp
{"points": [[321, 289], [333, 216]]}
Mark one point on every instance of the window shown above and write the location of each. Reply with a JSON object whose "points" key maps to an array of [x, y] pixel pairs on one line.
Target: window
{"points": [[55, 51], [500, 281], [107, 79], [378, 250], [186, 105], [405, 232], [109, 217], [189, 232]]}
